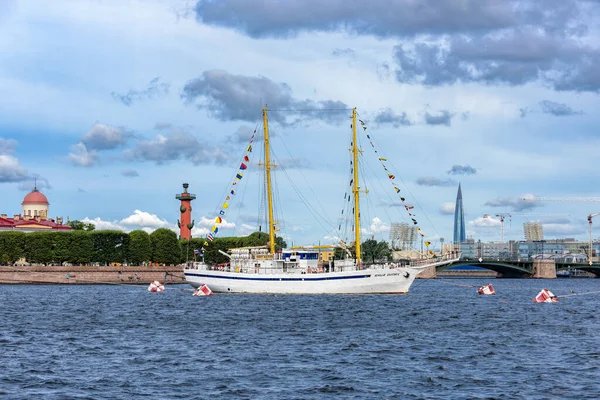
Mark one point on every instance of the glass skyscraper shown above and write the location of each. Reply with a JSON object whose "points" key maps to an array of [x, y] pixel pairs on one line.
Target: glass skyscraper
{"points": [[459, 219]]}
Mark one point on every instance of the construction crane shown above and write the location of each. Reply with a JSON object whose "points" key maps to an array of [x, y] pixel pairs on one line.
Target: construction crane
{"points": [[502, 216], [590, 235], [574, 200]]}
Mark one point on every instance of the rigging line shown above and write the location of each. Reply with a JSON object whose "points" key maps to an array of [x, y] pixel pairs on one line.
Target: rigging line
{"points": [[242, 185], [575, 294], [367, 166], [240, 202], [233, 176], [261, 216], [345, 216], [408, 190], [304, 178], [302, 197], [371, 212], [279, 210], [392, 199], [349, 219], [372, 208], [368, 171], [320, 219], [416, 285]]}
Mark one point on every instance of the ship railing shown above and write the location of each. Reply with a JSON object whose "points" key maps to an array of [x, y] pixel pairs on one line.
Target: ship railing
{"points": [[449, 257]]}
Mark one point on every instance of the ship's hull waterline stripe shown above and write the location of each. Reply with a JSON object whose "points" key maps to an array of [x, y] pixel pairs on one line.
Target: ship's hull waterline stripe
{"points": [[279, 279]]}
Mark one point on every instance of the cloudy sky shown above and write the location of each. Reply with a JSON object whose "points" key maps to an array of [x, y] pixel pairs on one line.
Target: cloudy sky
{"points": [[112, 104]]}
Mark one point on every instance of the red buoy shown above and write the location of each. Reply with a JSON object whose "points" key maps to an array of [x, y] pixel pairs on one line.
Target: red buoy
{"points": [[545, 296], [486, 289], [203, 291]]}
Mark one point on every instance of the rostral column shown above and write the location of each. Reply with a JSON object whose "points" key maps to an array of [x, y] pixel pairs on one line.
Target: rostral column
{"points": [[185, 224]]}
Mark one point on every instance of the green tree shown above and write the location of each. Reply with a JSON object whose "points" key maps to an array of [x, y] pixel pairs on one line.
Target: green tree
{"points": [[140, 247], [371, 250], [12, 244], [82, 247], [188, 247], [213, 256], [262, 239], [38, 247], [61, 246], [165, 246], [77, 225], [110, 246], [255, 239]]}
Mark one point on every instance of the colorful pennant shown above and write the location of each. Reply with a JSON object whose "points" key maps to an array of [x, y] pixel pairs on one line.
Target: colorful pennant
{"points": [[232, 191], [391, 177]]}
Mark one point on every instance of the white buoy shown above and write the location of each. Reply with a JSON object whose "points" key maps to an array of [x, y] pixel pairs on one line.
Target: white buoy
{"points": [[545, 296], [156, 287], [203, 291], [486, 289]]}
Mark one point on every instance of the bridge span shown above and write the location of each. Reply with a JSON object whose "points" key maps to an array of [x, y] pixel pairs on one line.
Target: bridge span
{"points": [[516, 268]]}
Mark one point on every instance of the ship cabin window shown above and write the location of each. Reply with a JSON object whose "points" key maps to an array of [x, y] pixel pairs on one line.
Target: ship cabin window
{"points": [[301, 256], [309, 256]]}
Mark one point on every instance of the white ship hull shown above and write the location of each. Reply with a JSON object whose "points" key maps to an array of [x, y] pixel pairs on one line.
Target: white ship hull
{"points": [[367, 281]]}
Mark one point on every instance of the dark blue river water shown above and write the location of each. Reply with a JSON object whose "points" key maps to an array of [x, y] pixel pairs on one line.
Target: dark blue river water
{"points": [[441, 341]]}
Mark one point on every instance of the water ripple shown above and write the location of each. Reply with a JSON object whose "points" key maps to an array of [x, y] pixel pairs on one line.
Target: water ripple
{"points": [[441, 341]]}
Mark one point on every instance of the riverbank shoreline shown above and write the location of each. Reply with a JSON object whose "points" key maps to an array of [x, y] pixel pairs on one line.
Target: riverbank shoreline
{"points": [[38, 274]]}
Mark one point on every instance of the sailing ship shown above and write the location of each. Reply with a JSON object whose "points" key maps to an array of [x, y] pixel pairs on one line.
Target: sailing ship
{"points": [[262, 269]]}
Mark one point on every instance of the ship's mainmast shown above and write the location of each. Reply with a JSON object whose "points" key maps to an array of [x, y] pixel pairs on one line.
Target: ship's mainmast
{"points": [[268, 166], [355, 188]]}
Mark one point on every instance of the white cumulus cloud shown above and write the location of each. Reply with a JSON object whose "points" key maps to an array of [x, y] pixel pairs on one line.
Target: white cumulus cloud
{"points": [[81, 156], [447, 208], [145, 219]]}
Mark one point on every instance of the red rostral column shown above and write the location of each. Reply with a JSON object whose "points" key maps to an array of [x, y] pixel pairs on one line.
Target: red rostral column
{"points": [[185, 224]]}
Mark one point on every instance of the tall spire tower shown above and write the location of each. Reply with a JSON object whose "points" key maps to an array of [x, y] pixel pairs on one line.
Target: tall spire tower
{"points": [[459, 219], [185, 224]]}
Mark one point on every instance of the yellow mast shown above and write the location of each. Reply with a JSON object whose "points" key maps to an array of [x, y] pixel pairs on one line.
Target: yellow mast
{"points": [[268, 175], [355, 188]]}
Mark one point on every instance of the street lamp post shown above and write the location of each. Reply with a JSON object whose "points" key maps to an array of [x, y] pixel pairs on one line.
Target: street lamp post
{"points": [[539, 244], [543, 241]]}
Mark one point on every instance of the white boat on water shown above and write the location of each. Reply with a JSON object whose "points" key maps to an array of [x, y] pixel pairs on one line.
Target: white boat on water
{"points": [[263, 269]]}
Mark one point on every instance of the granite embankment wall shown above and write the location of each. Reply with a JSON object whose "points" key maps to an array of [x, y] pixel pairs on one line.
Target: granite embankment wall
{"points": [[90, 275], [136, 274]]}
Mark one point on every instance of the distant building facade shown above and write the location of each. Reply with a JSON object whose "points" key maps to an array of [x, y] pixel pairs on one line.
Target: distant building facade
{"points": [[471, 249], [459, 219], [533, 231], [33, 216], [567, 249]]}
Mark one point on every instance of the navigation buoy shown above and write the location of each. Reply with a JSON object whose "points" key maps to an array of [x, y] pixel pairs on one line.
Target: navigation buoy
{"points": [[203, 291], [545, 296], [156, 286], [486, 289]]}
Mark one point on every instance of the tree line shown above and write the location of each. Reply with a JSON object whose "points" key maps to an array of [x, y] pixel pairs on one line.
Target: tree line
{"points": [[87, 246], [81, 247]]}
